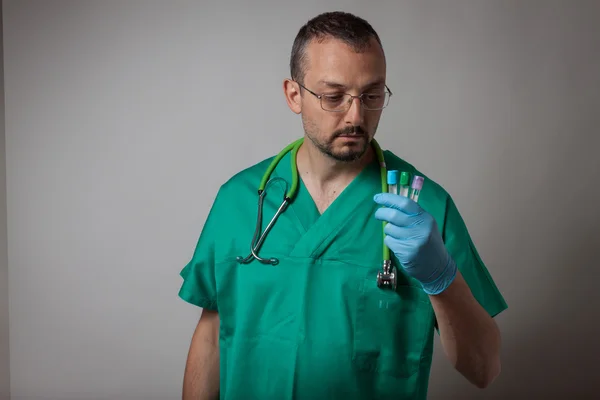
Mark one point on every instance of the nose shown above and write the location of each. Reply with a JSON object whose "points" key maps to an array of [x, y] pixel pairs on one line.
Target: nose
{"points": [[355, 114]]}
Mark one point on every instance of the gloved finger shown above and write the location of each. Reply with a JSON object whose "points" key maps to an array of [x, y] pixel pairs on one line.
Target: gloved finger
{"points": [[396, 217], [398, 202], [403, 249], [403, 232]]}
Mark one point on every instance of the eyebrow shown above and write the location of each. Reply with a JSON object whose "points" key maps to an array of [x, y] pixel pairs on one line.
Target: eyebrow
{"points": [[336, 85], [332, 84]]}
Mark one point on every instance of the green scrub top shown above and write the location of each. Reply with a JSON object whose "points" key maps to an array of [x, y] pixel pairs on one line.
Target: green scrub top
{"points": [[316, 326]]}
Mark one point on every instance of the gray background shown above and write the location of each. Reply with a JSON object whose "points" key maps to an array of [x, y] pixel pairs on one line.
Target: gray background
{"points": [[124, 117]]}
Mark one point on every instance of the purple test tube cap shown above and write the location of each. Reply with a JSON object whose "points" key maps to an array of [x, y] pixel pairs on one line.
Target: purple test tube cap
{"points": [[417, 182]]}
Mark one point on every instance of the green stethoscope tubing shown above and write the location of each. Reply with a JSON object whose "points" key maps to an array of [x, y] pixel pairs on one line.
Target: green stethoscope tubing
{"points": [[291, 193], [294, 146]]}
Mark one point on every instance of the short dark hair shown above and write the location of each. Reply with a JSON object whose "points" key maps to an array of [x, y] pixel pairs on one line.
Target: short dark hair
{"points": [[353, 30]]}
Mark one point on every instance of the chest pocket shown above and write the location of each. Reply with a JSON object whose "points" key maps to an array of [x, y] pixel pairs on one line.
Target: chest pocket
{"points": [[391, 328]]}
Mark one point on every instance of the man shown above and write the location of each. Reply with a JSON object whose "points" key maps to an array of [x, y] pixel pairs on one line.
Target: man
{"points": [[314, 324]]}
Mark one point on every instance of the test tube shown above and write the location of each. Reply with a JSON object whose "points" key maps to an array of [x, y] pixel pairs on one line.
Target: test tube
{"points": [[392, 181], [417, 185], [404, 183]]}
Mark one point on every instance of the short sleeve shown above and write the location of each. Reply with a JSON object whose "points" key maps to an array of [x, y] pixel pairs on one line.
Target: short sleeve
{"points": [[463, 252], [199, 285]]}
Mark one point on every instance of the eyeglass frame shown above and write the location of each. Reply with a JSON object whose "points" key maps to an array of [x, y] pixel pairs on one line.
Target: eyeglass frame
{"points": [[352, 97]]}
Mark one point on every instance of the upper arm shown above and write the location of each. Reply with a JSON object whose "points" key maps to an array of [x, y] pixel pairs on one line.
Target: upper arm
{"points": [[208, 325], [202, 371]]}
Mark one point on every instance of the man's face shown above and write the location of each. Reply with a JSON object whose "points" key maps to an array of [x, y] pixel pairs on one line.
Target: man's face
{"points": [[334, 68]]}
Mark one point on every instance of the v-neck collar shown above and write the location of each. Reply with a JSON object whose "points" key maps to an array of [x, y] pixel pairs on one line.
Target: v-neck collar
{"points": [[320, 230]]}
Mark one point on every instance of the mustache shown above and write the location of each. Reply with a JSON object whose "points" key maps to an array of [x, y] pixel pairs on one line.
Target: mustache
{"points": [[350, 130]]}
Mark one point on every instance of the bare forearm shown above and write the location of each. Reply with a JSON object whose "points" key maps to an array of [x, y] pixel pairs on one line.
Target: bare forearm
{"points": [[470, 337], [201, 379]]}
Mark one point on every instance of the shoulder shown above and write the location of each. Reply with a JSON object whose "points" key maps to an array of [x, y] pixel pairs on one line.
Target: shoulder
{"points": [[247, 179]]}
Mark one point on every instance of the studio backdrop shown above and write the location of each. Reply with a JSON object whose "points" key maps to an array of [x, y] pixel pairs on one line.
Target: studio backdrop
{"points": [[123, 118]]}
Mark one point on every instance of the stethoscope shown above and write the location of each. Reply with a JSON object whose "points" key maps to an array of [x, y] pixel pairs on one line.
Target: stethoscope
{"points": [[386, 278]]}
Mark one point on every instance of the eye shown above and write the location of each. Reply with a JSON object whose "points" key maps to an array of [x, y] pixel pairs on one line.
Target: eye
{"points": [[333, 97], [373, 96]]}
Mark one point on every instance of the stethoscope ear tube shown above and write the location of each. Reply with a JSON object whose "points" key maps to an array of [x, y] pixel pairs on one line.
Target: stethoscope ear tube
{"points": [[262, 192], [255, 245]]}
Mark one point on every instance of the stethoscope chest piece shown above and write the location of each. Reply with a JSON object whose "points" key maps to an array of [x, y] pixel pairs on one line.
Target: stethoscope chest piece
{"points": [[386, 279]]}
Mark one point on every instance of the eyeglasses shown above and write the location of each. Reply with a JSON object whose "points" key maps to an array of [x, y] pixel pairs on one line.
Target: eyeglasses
{"points": [[341, 102]]}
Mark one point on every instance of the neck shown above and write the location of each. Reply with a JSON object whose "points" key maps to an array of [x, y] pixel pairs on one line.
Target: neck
{"points": [[323, 171]]}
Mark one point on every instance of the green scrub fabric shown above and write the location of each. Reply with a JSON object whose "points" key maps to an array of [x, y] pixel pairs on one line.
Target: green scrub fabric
{"points": [[316, 326]]}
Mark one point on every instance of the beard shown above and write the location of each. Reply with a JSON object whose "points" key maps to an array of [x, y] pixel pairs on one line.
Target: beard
{"points": [[346, 153]]}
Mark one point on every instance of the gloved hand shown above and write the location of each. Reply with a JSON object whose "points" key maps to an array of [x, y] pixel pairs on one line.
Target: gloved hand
{"points": [[412, 235]]}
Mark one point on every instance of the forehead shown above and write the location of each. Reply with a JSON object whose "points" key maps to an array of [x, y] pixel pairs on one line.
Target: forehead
{"points": [[333, 60]]}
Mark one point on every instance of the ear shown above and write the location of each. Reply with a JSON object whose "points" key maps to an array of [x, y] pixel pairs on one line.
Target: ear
{"points": [[292, 95]]}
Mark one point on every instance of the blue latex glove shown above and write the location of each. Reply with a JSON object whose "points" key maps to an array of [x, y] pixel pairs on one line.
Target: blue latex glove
{"points": [[413, 236]]}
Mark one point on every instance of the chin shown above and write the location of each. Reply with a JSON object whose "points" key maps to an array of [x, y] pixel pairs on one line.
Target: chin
{"points": [[349, 153]]}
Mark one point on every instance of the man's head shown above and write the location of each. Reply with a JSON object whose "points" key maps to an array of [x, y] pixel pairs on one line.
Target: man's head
{"points": [[335, 55]]}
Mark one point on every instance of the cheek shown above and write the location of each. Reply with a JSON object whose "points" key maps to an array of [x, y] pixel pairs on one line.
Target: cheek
{"points": [[321, 123], [330, 124], [372, 121]]}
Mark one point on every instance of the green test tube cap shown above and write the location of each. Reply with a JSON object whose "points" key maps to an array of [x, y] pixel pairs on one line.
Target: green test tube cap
{"points": [[404, 178]]}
